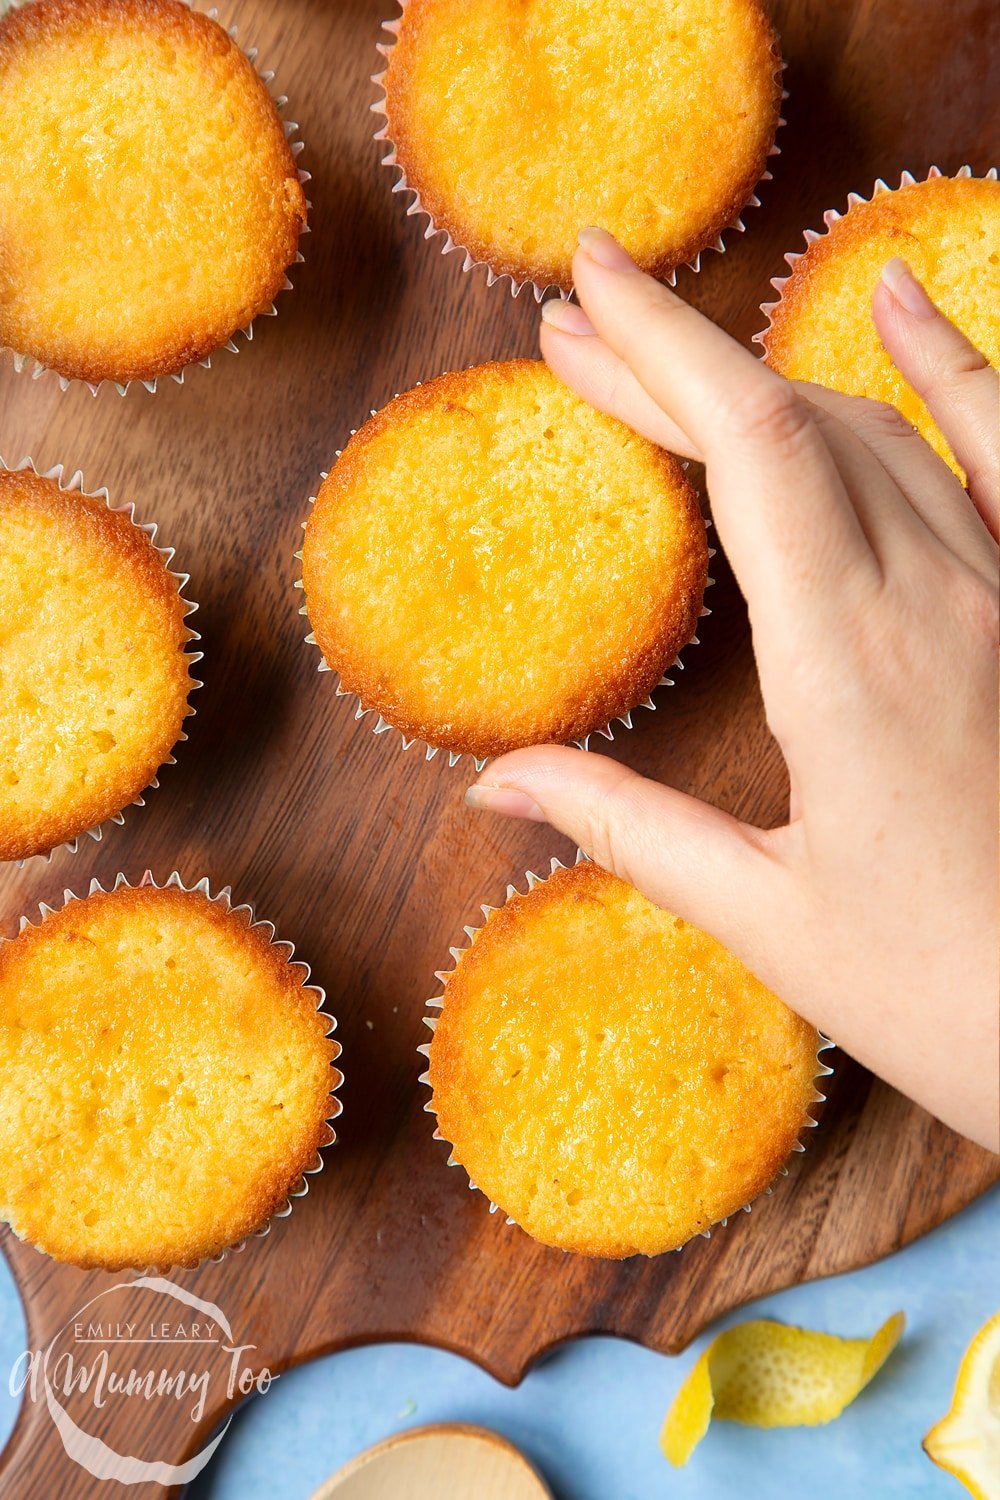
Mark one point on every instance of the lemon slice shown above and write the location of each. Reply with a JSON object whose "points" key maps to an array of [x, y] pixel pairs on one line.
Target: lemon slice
{"points": [[966, 1442], [769, 1375]]}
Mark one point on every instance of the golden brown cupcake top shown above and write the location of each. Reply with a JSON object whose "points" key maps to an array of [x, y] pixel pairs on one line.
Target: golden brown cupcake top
{"points": [[610, 1076], [493, 563], [94, 671], [149, 201], [948, 231], [166, 1079], [519, 122]]}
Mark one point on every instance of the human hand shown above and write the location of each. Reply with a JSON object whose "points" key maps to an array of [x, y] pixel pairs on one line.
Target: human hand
{"points": [[871, 581]]}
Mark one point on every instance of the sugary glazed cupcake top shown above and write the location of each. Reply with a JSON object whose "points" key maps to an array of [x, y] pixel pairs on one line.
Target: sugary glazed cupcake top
{"points": [[518, 122], [492, 563], [948, 230], [166, 1079], [610, 1076], [94, 672], [149, 202]]}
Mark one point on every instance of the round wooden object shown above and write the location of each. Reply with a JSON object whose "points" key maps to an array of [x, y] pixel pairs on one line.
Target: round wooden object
{"points": [[453, 1460]]}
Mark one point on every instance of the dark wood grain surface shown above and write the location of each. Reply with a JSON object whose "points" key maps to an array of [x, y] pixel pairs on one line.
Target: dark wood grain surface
{"points": [[365, 856]]}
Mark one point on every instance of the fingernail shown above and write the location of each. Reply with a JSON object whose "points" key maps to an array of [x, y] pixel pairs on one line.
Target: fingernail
{"points": [[605, 250], [906, 289], [566, 317], [505, 800]]}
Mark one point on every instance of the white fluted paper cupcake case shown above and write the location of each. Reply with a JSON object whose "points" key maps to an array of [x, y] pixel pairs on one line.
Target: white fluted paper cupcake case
{"points": [[470, 263], [381, 726], [831, 217], [224, 899], [36, 368], [75, 484], [437, 1003]]}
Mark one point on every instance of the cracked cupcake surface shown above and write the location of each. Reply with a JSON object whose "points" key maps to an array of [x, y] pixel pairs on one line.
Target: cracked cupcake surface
{"points": [[611, 1077], [492, 563], [149, 201], [94, 666], [166, 1079], [947, 229], [518, 122]]}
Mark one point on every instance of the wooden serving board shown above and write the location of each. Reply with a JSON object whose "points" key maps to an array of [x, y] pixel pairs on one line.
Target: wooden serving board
{"points": [[365, 856]]}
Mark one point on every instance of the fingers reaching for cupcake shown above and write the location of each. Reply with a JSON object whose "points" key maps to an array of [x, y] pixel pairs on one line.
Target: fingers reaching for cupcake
{"points": [[871, 583]]}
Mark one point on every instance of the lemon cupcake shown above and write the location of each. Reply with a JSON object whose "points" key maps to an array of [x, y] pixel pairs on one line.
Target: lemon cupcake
{"points": [[821, 329], [94, 667], [612, 1078], [166, 1075], [149, 200], [493, 563], [515, 123]]}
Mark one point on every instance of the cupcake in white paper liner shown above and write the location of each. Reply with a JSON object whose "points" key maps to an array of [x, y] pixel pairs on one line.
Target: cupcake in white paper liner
{"points": [[442, 221], [820, 328], [542, 1142], [656, 624], [233, 1002], [154, 592], [206, 344]]}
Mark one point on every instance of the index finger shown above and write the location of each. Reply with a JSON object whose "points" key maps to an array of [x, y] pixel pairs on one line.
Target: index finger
{"points": [[950, 374], [781, 508]]}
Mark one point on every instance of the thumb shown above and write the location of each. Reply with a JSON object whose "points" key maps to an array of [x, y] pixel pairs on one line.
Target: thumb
{"points": [[699, 863]]}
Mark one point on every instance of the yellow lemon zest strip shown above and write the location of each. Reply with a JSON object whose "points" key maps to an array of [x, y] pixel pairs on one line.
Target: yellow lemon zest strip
{"points": [[767, 1374]]}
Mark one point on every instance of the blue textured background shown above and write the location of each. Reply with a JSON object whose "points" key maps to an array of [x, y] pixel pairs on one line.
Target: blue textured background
{"points": [[589, 1416]]}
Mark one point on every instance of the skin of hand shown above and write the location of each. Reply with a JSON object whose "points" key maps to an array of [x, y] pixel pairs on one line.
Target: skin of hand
{"points": [[871, 578]]}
